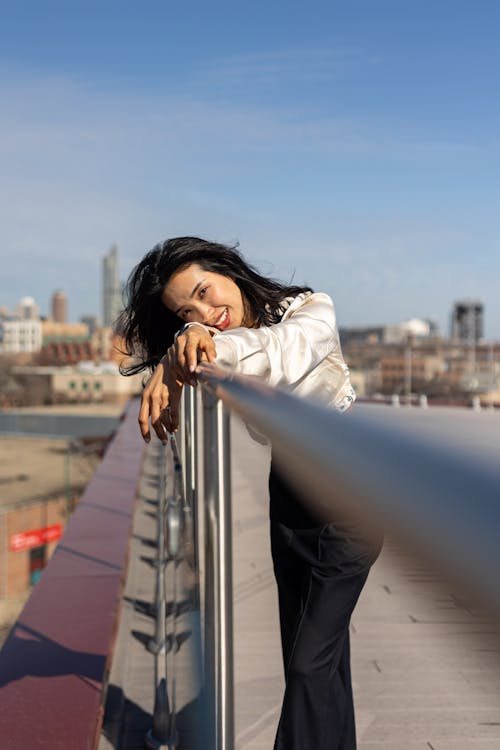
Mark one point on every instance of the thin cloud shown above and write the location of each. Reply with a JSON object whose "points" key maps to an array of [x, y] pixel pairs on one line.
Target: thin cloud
{"points": [[54, 116], [277, 66]]}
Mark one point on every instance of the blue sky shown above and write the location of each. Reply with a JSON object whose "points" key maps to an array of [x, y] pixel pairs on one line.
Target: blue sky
{"points": [[354, 146]]}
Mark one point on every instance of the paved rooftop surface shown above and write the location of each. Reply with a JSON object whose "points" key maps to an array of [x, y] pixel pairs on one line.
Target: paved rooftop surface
{"points": [[34, 469], [80, 409], [426, 667]]}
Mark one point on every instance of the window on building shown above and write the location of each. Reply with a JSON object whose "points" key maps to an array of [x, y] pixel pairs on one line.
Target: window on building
{"points": [[38, 561], [97, 385]]}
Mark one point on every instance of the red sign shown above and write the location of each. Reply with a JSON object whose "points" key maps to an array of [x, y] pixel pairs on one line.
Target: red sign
{"points": [[36, 537]]}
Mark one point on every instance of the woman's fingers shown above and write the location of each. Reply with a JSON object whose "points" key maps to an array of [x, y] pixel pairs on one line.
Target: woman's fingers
{"points": [[160, 400], [210, 351], [203, 344], [144, 418], [188, 348], [152, 405], [175, 367], [148, 401], [157, 400], [178, 348], [191, 359], [170, 415], [175, 398]]}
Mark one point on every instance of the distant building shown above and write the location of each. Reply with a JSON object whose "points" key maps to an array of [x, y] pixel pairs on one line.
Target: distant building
{"points": [[41, 483], [365, 335], [27, 309], [59, 307], [19, 335], [21, 332], [397, 370], [467, 321], [64, 343], [389, 334], [66, 353], [59, 332], [91, 321], [32, 521], [111, 287], [85, 382]]}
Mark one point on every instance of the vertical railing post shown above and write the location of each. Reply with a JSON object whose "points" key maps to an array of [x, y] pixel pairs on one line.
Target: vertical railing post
{"points": [[181, 431], [190, 444], [219, 680], [190, 467], [157, 737]]}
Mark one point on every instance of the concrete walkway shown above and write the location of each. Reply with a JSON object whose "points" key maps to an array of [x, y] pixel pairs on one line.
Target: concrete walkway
{"points": [[426, 670]]}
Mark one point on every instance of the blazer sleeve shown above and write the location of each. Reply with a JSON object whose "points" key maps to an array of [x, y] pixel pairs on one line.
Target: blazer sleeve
{"points": [[288, 351]]}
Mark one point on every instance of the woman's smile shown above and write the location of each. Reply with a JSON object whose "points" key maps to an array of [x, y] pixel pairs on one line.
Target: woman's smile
{"points": [[223, 321]]}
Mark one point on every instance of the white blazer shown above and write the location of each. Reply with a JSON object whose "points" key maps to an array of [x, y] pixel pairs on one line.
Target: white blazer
{"points": [[301, 353]]}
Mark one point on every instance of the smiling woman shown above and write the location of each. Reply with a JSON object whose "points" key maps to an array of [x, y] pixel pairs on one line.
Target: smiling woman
{"points": [[192, 301], [185, 279]]}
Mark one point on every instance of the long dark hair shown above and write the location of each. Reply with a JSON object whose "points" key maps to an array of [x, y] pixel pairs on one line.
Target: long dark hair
{"points": [[148, 327]]}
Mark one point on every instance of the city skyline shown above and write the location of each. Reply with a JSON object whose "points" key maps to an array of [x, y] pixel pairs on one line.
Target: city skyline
{"points": [[448, 331], [353, 148]]}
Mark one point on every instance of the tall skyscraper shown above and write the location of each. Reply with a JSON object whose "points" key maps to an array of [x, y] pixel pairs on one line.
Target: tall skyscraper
{"points": [[59, 307], [111, 288], [467, 321]]}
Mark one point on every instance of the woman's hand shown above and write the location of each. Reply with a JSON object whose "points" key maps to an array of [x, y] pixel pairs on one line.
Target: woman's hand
{"points": [[162, 393], [160, 402], [191, 347]]}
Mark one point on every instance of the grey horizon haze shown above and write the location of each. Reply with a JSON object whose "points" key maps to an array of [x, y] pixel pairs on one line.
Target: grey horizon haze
{"points": [[352, 148]]}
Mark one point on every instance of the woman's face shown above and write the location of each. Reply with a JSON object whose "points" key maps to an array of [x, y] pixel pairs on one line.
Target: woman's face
{"points": [[205, 297]]}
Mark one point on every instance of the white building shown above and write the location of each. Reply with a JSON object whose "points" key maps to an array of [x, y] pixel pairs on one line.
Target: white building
{"points": [[84, 383], [415, 327], [18, 335]]}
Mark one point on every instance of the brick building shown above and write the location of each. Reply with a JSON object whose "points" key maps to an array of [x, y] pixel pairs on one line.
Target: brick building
{"points": [[41, 479]]}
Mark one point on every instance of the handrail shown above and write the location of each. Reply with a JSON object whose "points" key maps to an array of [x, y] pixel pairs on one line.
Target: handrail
{"points": [[444, 503]]}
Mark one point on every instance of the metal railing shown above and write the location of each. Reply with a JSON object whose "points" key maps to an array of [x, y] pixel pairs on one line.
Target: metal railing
{"points": [[185, 515], [447, 505], [443, 501]]}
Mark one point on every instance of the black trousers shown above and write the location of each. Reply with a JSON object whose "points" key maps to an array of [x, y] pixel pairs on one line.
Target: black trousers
{"points": [[320, 571]]}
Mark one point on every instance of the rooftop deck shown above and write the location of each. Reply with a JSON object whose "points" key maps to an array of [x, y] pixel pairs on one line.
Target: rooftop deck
{"points": [[426, 666]]}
